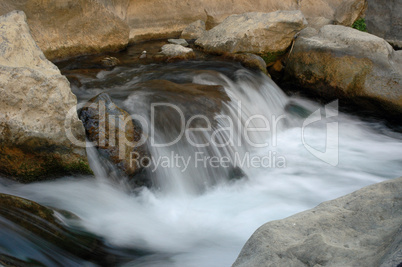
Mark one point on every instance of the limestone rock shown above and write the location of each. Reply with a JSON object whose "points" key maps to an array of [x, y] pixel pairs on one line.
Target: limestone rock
{"points": [[194, 30], [343, 61], [265, 34], [359, 229], [384, 19], [181, 42], [167, 19], [175, 50], [114, 133], [64, 28], [40, 133]]}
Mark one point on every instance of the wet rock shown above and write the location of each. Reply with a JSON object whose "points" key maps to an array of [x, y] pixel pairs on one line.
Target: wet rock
{"points": [[268, 35], [177, 51], [194, 30], [249, 60], [181, 42], [34, 233], [114, 133], [344, 62], [359, 229], [41, 136], [110, 61]]}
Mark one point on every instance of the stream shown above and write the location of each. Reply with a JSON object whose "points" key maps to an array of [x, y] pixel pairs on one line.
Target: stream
{"points": [[212, 187]]}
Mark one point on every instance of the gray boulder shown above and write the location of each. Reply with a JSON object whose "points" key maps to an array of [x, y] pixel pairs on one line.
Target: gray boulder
{"points": [[359, 229], [265, 34], [384, 19], [342, 61], [40, 133]]}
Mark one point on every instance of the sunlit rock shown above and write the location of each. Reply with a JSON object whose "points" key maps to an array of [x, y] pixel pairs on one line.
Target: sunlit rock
{"points": [[40, 133], [266, 34], [342, 61]]}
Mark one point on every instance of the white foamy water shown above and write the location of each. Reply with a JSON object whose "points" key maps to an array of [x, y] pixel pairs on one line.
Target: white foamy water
{"points": [[210, 228]]}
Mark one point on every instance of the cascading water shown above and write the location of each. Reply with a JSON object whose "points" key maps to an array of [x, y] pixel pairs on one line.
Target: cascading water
{"points": [[198, 215]]}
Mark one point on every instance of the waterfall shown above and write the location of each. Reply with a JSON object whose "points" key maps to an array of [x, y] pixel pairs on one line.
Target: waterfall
{"points": [[202, 215]]}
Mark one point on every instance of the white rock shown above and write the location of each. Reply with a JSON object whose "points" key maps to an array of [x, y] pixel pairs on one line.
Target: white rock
{"points": [[175, 50]]}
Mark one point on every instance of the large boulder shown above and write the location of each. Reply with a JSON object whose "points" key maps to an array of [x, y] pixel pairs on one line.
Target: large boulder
{"points": [[40, 133], [360, 229], [344, 62], [69, 28], [266, 34], [384, 19]]}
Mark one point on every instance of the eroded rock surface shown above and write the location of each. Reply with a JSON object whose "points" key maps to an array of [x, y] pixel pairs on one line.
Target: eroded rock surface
{"points": [[40, 133], [342, 61], [359, 229]]}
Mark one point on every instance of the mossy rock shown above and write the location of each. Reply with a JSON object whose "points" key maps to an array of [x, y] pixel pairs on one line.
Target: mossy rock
{"points": [[271, 57]]}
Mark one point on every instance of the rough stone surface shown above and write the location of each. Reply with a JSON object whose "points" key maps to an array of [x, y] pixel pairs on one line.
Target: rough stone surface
{"points": [[343, 61], [384, 19], [35, 101], [265, 34], [65, 28], [167, 19], [175, 50], [178, 41], [114, 133], [194, 30], [359, 229]]}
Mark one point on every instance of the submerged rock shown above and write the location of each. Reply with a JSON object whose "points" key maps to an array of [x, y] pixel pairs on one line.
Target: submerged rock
{"points": [[359, 229], [341, 61], [266, 34], [114, 133], [110, 61], [40, 133]]}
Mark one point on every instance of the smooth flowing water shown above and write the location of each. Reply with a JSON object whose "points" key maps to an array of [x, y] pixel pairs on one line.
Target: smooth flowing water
{"points": [[202, 213]]}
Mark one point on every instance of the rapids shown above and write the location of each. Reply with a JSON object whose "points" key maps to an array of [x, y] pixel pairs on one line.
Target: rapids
{"points": [[198, 214]]}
